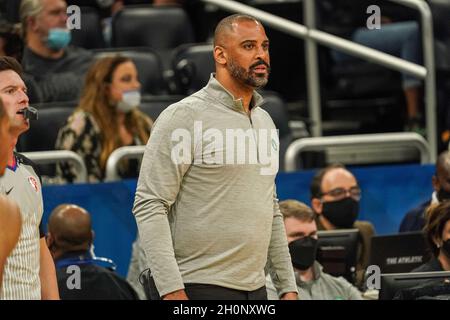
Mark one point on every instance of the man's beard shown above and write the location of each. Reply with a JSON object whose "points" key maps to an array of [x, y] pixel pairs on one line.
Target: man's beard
{"points": [[249, 77]]}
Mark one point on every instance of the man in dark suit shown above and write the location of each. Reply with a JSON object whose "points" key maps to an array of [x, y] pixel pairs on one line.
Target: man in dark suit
{"points": [[69, 239], [414, 219]]}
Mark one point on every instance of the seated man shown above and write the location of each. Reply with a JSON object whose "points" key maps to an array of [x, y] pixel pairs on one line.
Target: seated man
{"points": [[69, 239], [414, 219], [312, 282], [10, 219], [138, 265], [335, 196], [57, 68]]}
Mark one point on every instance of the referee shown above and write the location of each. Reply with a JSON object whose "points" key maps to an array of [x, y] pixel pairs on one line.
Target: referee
{"points": [[10, 220], [29, 271]]}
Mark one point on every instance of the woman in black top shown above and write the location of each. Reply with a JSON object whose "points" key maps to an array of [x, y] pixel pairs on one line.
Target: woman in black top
{"points": [[437, 231]]}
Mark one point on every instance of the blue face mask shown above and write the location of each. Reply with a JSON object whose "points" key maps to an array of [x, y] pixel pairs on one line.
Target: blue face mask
{"points": [[58, 38]]}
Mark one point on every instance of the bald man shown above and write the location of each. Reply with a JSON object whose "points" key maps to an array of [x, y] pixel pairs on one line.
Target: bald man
{"points": [[206, 206], [70, 237], [335, 196], [69, 230], [414, 219], [10, 219]]}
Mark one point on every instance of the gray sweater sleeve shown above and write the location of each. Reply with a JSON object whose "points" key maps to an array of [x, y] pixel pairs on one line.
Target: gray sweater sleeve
{"points": [[158, 186], [279, 260]]}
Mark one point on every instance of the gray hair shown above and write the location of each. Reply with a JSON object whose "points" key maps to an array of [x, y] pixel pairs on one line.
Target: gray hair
{"points": [[29, 8]]}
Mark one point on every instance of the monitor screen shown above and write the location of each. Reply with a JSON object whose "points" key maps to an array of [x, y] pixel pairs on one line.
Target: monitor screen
{"points": [[398, 253], [337, 252], [391, 283]]}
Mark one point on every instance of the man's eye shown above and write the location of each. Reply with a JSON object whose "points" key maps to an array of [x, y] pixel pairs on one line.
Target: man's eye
{"points": [[248, 46]]}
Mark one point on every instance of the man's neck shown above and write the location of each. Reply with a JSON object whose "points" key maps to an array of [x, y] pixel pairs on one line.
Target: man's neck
{"points": [[39, 48], [11, 158], [306, 275], [238, 90], [60, 254]]}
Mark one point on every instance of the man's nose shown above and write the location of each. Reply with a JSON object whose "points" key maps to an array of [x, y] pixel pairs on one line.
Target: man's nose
{"points": [[262, 54], [23, 98], [63, 18]]}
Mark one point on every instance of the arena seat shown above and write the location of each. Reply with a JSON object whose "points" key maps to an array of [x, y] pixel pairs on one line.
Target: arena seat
{"points": [[43, 132], [148, 64], [90, 35], [154, 105], [192, 65], [157, 27]]}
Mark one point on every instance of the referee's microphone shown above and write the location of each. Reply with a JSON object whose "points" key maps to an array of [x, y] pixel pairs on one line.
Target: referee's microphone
{"points": [[29, 113]]}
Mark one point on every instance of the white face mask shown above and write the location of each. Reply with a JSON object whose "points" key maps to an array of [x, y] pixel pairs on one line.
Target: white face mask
{"points": [[130, 100]]}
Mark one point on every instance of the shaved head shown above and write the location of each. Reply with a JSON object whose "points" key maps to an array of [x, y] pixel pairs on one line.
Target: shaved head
{"points": [[443, 161], [70, 227], [227, 25], [441, 178]]}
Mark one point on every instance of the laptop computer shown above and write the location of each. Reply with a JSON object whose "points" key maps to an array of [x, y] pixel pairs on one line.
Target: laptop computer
{"points": [[399, 253]]}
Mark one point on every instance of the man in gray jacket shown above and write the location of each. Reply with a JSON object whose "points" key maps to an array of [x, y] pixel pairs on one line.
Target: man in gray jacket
{"points": [[206, 205]]}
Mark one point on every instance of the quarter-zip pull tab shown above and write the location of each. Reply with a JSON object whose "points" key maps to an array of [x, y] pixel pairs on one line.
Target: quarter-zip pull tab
{"points": [[255, 137]]}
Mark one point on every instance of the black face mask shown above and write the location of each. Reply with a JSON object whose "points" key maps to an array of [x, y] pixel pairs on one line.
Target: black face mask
{"points": [[341, 213], [446, 248], [443, 195], [303, 252]]}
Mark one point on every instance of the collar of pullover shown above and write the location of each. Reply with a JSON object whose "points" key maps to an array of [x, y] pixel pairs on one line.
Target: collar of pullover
{"points": [[221, 94], [317, 270]]}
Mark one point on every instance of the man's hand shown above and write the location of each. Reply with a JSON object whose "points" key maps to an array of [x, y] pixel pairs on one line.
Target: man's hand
{"points": [[176, 295], [290, 296]]}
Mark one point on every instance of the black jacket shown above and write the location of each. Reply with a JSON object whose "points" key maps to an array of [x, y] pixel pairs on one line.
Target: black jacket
{"points": [[414, 219], [96, 282]]}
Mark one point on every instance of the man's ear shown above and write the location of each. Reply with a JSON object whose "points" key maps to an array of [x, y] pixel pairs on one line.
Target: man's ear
{"points": [[220, 56], [32, 23], [49, 239], [316, 205]]}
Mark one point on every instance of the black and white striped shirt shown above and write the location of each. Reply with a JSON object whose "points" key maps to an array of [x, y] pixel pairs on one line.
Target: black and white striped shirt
{"points": [[21, 274]]}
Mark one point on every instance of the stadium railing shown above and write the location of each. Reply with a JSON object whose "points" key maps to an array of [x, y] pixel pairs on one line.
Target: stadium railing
{"points": [[312, 36], [361, 149], [55, 156]]}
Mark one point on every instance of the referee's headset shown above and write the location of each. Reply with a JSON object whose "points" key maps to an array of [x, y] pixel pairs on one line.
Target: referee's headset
{"points": [[29, 113]]}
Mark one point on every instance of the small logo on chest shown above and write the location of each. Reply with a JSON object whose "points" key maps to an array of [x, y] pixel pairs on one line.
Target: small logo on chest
{"points": [[33, 183]]}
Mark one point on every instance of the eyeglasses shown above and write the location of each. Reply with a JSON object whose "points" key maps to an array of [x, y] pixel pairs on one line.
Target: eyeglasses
{"points": [[341, 193]]}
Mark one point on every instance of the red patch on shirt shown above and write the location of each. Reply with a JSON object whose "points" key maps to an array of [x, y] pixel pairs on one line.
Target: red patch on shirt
{"points": [[33, 183]]}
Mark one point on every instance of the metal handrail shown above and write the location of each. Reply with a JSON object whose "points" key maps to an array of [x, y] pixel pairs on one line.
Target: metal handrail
{"points": [[55, 156], [360, 51], [378, 140], [128, 152]]}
